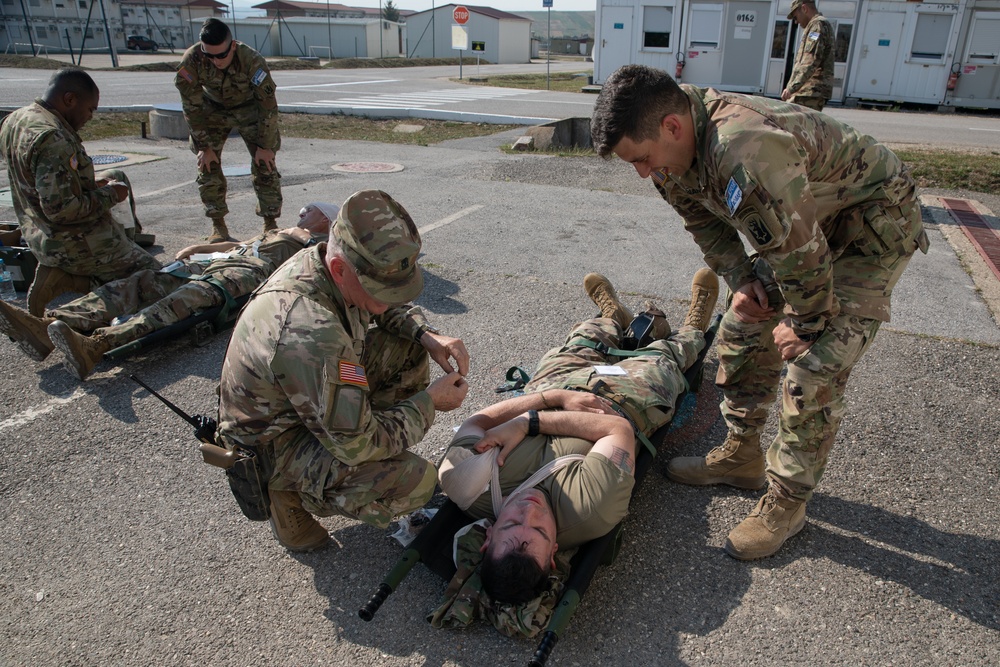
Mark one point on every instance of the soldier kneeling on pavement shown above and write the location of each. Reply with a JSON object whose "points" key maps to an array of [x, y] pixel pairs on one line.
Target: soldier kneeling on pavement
{"points": [[326, 378], [564, 452], [127, 309]]}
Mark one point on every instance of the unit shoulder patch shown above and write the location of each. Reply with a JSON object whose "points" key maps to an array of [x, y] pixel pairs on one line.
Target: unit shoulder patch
{"points": [[258, 76], [814, 36], [184, 74], [734, 195]]}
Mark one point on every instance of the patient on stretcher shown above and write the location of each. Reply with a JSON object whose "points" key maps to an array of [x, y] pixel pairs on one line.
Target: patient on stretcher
{"points": [[553, 469]]}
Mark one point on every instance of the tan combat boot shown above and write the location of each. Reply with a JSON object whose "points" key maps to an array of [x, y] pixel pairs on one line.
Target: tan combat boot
{"points": [[270, 224], [737, 462], [704, 294], [661, 327], [293, 527], [220, 232], [82, 352], [771, 522], [29, 332], [601, 292], [51, 282]]}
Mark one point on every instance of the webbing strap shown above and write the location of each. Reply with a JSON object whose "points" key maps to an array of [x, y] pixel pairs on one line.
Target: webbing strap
{"points": [[612, 351], [552, 466], [229, 303]]}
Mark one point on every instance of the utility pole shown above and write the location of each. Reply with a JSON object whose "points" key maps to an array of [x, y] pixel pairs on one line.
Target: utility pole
{"points": [[27, 25], [381, 49], [329, 30], [107, 35]]}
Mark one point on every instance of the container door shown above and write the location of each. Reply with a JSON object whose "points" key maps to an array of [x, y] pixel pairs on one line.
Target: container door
{"points": [[615, 48], [746, 45], [780, 45], [880, 48]]}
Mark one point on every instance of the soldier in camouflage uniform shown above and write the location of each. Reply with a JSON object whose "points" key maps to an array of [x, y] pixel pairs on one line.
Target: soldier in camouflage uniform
{"points": [[224, 84], [570, 408], [127, 309], [811, 84], [62, 206], [833, 218], [334, 401]]}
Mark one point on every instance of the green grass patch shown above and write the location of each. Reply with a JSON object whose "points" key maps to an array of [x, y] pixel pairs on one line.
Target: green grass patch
{"points": [[565, 82], [28, 62], [361, 63], [951, 170]]}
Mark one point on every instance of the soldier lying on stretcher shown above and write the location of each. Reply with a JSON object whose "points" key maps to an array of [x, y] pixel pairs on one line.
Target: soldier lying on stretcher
{"points": [[574, 428], [127, 309]]}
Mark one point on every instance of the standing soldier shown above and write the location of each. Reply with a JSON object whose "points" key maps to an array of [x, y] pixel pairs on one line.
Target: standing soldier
{"points": [[833, 218], [224, 84], [811, 84], [62, 206], [330, 403]]}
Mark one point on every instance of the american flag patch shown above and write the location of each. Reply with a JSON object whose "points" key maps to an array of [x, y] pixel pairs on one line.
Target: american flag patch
{"points": [[185, 75], [352, 373]]}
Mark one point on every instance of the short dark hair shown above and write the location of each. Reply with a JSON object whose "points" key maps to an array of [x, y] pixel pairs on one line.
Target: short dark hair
{"points": [[632, 102], [70, 80], [214, 32], [514, 578]]}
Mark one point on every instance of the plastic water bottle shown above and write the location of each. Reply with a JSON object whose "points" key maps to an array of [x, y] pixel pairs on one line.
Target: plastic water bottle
{"points": [[7, 291]]}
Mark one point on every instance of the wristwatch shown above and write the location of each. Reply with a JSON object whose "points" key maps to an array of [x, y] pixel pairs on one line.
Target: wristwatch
{"points": [[532, 423]]}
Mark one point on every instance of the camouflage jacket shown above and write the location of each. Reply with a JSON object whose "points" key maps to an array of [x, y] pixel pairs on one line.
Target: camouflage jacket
{"points": [[812, 75], [794, 183], [282, 376], [205, 89], [56, 198]]}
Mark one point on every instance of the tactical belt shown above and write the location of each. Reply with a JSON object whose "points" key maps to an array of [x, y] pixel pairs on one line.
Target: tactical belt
{"points": [[229, 303]]}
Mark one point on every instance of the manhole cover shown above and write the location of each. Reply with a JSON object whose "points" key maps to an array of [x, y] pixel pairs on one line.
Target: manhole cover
{"points": [[237, 170], [108, 159], [368, 167]]}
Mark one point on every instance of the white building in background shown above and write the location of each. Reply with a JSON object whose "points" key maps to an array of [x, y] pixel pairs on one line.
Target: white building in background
{"points": [[321, 37], [506, 37], [169, 22]]}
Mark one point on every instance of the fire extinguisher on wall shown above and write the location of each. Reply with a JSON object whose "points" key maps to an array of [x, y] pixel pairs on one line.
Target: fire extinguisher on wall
{"points": [[953, 77], [679, 68]]}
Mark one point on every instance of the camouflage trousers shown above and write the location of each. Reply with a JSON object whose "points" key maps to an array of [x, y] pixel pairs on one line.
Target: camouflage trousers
{"points": [[377, 491], [649, 391], [212, 185], [155, 300], [102, 251], [815, 103]]}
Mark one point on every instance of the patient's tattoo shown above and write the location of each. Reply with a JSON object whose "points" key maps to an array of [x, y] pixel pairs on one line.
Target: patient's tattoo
{"points": [[623, 459]]}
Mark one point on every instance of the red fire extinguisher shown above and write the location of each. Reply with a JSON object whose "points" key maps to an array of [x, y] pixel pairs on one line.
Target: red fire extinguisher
{"points": [[953, 79], [679, 68]]}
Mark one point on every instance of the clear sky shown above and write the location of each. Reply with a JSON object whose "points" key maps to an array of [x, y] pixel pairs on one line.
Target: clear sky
{"points": [[243, 6]]}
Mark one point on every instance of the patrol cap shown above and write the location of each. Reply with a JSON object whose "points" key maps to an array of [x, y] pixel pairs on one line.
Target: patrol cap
{"points": [[382, 243], [796, 4]]}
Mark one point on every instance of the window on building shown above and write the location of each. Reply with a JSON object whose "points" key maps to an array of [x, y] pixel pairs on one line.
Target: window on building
{"points": [[984, 45], [657, 22], [90, 33], [779, 43], [15, 31], [41, 32], [8, 2], [34, 3], [83, 4], [706, 26], [930, 38], [842, 42]]}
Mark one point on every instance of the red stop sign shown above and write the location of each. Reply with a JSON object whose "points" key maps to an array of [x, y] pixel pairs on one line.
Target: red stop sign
{"points": [[461, 15]]}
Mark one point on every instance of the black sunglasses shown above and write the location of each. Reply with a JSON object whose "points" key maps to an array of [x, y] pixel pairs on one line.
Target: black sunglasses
{"points": [[217, 56]]}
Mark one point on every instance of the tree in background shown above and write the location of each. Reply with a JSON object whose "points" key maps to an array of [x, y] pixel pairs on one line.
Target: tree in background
{"points": [[390, 12]]}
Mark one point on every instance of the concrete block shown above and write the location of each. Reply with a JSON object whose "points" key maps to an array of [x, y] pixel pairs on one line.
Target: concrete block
{"points": [[404, 128], [168, 124], [523, 144], [544, 136]]}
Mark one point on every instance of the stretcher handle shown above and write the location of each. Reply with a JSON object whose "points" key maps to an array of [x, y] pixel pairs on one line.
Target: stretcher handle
{"points": [[403, 566], [367, 613], [545, 647]]}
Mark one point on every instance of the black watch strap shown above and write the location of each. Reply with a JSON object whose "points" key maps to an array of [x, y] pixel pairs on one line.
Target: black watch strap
{"points": [[532, 423]]}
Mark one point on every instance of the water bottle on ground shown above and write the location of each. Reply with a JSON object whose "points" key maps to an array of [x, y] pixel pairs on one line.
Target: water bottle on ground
{"points": [[7, 291]]}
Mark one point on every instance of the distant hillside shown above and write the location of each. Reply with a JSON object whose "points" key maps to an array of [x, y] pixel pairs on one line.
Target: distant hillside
{"points": [[564, 24]]}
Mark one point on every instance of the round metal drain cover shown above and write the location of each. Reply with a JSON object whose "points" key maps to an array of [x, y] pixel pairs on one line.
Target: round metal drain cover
{"points": [[367, 167], [108, 159]]}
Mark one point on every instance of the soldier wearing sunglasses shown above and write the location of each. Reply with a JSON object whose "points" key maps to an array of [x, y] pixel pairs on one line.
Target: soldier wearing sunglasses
{"points": [[225, 84]]}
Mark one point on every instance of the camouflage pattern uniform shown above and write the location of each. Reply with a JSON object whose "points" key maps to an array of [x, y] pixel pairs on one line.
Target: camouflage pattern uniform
{"points": [[586, 500], [833, 214], [811, 84], [337, 402], [215, 101], [65, 218], [156, 300]]}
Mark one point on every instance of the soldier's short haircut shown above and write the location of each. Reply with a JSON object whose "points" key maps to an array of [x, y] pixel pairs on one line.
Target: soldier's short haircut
{"points": [[514, 578], [632, 102], [70, 80], [214, 32]]}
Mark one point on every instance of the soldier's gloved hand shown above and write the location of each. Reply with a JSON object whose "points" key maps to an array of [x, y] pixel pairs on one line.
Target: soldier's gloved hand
{"points": [[750, 303], [444, 348], [205, 160], [121, 190], [265, 158], [448, 392]]}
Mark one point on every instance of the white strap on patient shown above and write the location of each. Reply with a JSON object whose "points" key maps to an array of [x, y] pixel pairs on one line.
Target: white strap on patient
{"points": [[552, 466]]}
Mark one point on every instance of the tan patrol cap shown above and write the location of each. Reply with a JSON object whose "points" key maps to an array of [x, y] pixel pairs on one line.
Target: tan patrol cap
{"points": [[382, 243], [796, 4]]}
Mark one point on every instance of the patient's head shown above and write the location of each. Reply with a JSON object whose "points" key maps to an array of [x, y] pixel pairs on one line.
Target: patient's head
{"points": [[520, 549]]}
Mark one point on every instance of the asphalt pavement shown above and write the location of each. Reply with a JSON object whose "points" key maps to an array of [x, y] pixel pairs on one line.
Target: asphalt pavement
{"points": [[119, 546]]}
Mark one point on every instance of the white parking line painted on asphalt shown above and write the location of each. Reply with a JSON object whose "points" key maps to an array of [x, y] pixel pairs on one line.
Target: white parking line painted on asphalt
{"points": [[162, 190], [450, 219], [330, 85], [31, 414], [984, 129]]}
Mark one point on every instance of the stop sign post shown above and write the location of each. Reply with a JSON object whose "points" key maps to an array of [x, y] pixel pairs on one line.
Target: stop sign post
{"points": [[461, 15]]}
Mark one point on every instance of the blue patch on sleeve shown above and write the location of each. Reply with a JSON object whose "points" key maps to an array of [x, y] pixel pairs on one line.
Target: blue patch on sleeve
{"points": [[734, 195], [258, 77]]}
